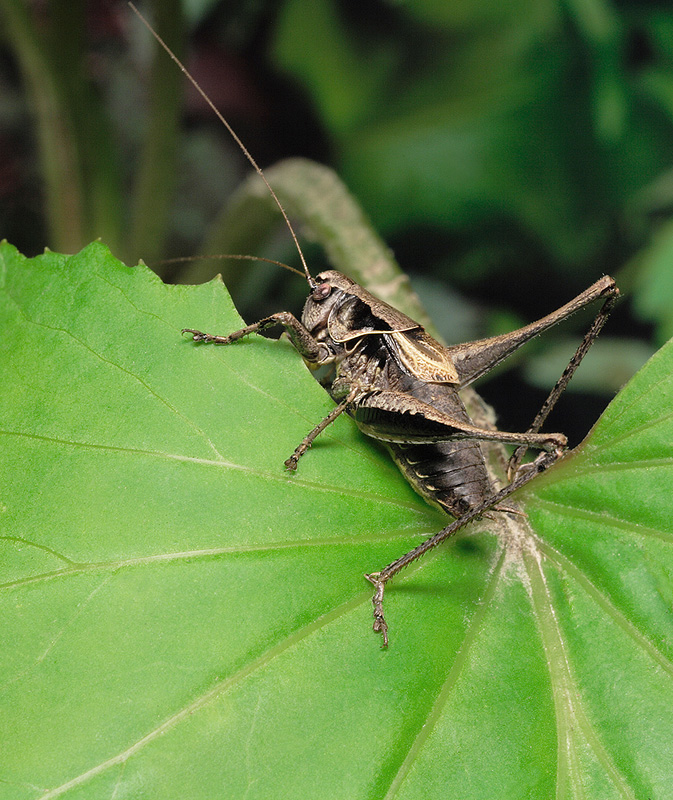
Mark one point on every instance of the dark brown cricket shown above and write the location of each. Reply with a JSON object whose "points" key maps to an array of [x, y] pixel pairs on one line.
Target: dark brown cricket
{"points": [[402, 387]]}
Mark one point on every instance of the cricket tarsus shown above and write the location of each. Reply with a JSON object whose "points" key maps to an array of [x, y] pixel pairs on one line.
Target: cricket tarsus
{"points": [[198, 336], [380, 624]]}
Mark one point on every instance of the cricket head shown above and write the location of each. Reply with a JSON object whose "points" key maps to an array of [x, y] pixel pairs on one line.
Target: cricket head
{"points": [[329, 291], [342, 310]]}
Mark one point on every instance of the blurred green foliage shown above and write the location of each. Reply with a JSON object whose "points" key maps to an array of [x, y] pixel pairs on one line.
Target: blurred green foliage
{"points": [[527, 133], [514, 151]]}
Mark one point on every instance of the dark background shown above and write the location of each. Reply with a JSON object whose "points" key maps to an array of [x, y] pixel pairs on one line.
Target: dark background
{"points": [[509, 153]]}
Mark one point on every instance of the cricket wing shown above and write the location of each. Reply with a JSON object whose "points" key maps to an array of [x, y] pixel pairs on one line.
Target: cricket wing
{"points": [[397, 417], [422, 357]]}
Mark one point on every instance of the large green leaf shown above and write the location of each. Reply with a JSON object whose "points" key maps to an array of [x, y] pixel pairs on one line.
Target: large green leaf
{"points": [[181, 618]]}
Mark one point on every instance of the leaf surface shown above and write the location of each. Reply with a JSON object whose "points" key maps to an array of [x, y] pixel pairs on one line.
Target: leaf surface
{"points": [[181, 618]]}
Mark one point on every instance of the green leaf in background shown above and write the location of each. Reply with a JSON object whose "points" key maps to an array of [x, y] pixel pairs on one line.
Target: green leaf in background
{"points": [[181, 618]]}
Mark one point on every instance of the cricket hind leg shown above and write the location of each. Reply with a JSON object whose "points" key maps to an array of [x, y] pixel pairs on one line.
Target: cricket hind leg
{"points": [[380, 579], [474, 359], [514, 466]]}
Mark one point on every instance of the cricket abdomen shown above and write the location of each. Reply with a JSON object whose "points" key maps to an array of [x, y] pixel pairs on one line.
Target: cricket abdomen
{"points": [[451, 475]]}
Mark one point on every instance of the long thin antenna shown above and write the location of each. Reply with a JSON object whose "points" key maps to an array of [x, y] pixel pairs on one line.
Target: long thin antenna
{"points": [[239, 256], [244, 149]]}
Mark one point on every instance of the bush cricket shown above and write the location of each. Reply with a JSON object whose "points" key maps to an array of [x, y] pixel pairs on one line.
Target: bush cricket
{"points": [[401, 387]]}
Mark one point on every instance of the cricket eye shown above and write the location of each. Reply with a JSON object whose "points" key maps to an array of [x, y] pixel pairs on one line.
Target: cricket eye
{"points": [[321, 292]]}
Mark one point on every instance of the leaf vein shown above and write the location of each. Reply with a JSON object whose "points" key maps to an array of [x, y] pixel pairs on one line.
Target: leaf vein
{"points": [[212, 552], [603, 518], [221, 463], [602, 600], [632, 432], [435, 713], [212, 694], [122, 369], [570, 713]]}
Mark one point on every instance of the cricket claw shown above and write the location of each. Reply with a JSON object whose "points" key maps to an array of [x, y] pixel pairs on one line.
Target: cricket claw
{"points": [[557, 443], [291, 463], [515, 468], [380, 625], [197, 336]]}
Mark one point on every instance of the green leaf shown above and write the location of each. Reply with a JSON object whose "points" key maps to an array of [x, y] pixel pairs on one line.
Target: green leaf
{"points": [[182, 618]]}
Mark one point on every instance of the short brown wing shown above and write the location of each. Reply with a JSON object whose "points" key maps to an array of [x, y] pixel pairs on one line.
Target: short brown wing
{"points": [[422, 357]]}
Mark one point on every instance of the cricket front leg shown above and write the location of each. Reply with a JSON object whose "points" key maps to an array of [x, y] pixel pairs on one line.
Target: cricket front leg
{"points": [[306, 345], [314, 353]]}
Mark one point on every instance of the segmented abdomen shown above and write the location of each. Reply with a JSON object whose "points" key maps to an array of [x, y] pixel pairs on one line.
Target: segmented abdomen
{"points": [[449, 474]]}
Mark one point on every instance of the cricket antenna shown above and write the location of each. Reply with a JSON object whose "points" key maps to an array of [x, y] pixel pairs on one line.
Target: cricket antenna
{"points": [[244, 149]]}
